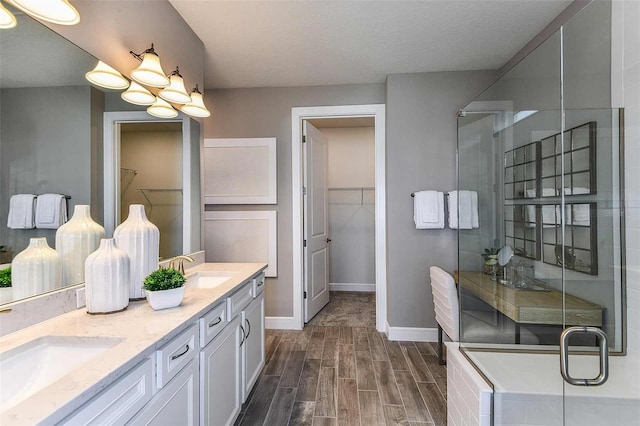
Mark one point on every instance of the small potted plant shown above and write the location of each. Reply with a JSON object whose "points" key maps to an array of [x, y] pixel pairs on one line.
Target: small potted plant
{"points": [[490, 257], [165, 288], [6, 292]]}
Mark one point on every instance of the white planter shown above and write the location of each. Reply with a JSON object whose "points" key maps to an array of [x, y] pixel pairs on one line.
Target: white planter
{"points": [[6, 295], [75, 240], [37, 269], [140, 239], [107, 273], [165, 298]]}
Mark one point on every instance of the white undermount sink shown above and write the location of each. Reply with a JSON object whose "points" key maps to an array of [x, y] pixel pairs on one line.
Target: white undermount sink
{"points": [[31, 367], [209, 279]]}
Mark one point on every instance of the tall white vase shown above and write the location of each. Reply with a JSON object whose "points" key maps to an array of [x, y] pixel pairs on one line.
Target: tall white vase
{"points": [[36, 269], [107, 273], [75, 240], [140, 239]]}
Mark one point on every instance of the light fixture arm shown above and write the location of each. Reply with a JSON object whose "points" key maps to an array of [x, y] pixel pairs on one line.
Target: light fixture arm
{"points": [[140, 56]]}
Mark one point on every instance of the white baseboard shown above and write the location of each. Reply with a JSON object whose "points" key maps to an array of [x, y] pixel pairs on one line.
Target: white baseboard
{"points": [[412, 334], [352, 287], [280, 323]]}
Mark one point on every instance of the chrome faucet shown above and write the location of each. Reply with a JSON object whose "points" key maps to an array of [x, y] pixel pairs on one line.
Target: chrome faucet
{"points": [[180, 260]]}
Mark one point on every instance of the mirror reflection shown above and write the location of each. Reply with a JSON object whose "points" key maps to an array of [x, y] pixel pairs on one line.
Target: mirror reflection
{"points": [[51, 142]]}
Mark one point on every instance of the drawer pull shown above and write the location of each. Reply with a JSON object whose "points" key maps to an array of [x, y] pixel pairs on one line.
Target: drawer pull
{"points": [[243, 337], [248, 328], [174, 357], [216, 322], [261, 283]]}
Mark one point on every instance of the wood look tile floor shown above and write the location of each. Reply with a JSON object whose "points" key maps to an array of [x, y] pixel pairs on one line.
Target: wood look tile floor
{"points": [[343, 375]]}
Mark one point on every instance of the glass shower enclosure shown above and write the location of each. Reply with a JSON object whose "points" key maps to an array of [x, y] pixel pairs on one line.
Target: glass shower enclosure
{"points": [[542, 277]]}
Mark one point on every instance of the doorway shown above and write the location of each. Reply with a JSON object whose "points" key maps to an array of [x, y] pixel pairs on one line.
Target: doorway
{"points": [[154, 162], [349, 204], [151, 175], [360, 192]]}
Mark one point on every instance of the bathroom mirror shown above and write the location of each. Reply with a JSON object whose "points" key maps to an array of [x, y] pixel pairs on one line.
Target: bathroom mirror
{"points": [[51, 122]]}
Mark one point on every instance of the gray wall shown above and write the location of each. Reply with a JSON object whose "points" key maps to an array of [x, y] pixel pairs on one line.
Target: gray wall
{"points": [[266, 112], [421, 154], [39, 153]]}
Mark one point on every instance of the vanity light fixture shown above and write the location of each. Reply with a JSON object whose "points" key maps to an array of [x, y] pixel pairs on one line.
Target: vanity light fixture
{"points": [[55, 11], [175, 92], [138, 95], [162, 109], [196, 107], [7, 20], [105, 76], [150, 71]]}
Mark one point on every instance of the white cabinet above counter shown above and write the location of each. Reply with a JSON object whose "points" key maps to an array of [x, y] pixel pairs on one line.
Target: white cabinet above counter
{"points": [[132, 337]]}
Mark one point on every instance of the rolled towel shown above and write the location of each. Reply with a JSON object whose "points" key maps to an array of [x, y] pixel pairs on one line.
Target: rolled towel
{"points": [[51, 211], [21, 211]]}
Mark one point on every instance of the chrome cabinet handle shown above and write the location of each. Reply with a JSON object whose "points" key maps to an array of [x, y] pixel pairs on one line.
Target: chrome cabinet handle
{"points": [[604, 356], [243, 337], [248, 328], [217, 321], [174, 357]]}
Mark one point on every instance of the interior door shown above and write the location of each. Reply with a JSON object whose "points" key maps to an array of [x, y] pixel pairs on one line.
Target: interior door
{"points": [[316, 222]]}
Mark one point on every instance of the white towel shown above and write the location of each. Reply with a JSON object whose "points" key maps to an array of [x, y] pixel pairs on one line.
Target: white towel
{"points": [[463, 209], [21, 211], [428, 210], [51, 211]]}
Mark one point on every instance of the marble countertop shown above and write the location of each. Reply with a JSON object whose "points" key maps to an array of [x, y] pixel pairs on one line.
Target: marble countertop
{"points": [[140, 330]]}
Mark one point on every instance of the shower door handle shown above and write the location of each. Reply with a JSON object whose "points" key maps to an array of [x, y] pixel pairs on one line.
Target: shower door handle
{"points": [[603, 350]]}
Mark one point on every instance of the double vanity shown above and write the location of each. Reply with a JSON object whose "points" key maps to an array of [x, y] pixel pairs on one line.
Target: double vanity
{"points": [[194, 364]]}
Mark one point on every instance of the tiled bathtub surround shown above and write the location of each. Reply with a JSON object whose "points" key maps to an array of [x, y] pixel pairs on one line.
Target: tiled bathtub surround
{"points": [[468, 394]]}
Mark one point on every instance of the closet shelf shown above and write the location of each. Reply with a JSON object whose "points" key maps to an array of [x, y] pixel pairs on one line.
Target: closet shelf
{"points": [[149, 193]]}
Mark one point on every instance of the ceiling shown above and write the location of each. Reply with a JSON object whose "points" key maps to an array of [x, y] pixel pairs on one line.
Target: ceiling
{"points": [[273, 43]]}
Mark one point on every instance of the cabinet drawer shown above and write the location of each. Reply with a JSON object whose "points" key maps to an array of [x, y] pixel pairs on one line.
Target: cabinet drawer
{"points": [[239, 300], [119, 402], [258, 285], [173, 356], [212, 323]]}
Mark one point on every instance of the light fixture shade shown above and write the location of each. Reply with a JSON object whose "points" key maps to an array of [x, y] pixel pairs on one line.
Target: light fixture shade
{"points": [[55, 11], [138, 95], [162, 109], [150, 71], [196, 107], [105, 76], [7, 20], [175, 92]]}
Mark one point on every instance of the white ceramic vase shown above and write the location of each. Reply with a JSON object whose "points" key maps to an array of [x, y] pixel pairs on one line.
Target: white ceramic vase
{"points": [[36, 269], [75, 240], [107, 273], [140, 239], [165, 299]]}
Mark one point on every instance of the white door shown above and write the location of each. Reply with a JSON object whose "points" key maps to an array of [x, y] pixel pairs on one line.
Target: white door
{"points": [[316, 223], [253, 346]]}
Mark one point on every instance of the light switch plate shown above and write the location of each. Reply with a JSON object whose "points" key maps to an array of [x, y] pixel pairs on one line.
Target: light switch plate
{"points": [[80, 298]]}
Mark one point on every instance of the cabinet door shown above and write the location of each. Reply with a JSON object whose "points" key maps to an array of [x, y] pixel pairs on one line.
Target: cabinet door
{"points": [[176, 404], [220, 377], [253, 347]]}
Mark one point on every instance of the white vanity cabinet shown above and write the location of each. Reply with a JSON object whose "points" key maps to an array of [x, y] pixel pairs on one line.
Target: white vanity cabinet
{"points": [[232, 359], [177, 403], [220, 377], [253, 345], [119, 402]]}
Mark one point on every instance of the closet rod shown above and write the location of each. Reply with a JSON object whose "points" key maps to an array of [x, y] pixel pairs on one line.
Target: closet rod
{"points": [[353, 188]]}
